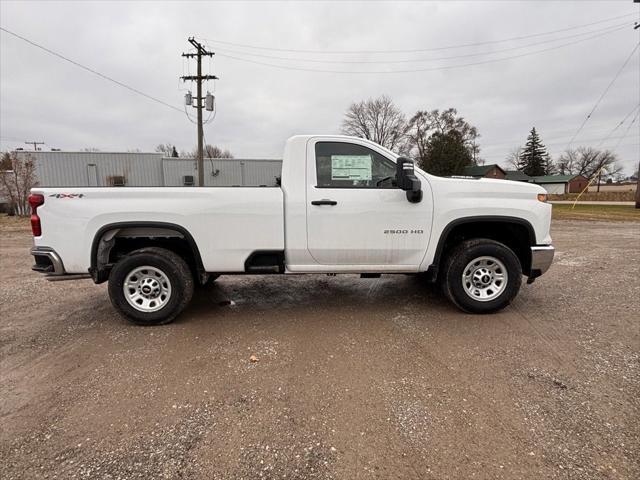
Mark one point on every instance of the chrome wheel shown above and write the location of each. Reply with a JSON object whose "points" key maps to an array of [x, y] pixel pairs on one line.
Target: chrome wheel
{"points": [[484, 278], [147, 289]]}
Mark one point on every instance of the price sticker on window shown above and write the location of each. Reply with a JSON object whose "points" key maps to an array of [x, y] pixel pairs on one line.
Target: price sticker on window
{"points": [[351, 167]]}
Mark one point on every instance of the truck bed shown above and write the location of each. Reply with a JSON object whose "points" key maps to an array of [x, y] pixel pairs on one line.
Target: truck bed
{"points": [[227, 223]]}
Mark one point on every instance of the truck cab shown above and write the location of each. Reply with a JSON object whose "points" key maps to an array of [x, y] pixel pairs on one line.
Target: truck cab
{"points": [[345, 210]]}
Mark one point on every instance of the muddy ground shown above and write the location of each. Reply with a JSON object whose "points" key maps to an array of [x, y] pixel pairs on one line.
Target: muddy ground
{"points": [[355, 379]]}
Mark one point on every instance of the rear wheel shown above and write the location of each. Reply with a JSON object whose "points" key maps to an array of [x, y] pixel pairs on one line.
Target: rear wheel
{"points": [[481, 276], [150, 286]]}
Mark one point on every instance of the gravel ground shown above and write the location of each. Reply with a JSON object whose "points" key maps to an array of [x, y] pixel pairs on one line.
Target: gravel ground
{"points": [[354, 378]]}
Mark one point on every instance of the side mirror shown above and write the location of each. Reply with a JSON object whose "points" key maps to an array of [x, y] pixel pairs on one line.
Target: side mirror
{"points": [[407, 179]]}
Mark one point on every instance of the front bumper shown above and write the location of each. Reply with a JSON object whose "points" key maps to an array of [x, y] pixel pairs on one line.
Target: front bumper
{"points": [[47, 261], [541, 259]]}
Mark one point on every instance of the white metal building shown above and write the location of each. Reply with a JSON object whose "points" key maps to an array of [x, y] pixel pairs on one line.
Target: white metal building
{"points": [[103, 169]]}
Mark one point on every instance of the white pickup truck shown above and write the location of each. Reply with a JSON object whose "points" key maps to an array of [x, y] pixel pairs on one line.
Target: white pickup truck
{"points": [[345, 205]]}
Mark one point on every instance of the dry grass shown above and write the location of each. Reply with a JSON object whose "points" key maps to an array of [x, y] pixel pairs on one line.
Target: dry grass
{"points": [[623, 213], [615, 187], [598, 196], [13, 224]]}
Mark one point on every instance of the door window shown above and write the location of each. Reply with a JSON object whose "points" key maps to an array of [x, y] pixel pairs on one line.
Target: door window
{"points": [[347, 165]]}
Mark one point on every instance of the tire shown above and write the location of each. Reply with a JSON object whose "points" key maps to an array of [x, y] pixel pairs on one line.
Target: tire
{"points": [[160, 285], [481, 276]]}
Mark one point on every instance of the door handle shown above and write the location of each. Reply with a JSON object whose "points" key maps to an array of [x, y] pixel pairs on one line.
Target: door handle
{"points": [[324, 201]]}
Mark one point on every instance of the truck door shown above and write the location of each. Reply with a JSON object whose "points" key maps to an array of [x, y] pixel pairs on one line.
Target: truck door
{"points": [[356, 215]]}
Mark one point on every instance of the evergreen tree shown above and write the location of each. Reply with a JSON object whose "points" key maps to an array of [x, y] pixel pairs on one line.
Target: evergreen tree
{"points": [[446, 154], [534, 159]]}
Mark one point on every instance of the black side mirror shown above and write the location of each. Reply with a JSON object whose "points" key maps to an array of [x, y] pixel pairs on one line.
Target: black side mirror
{"points": [[407, 180]]}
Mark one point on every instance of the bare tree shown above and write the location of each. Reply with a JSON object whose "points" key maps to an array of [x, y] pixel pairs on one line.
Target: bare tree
{"points": [[425, 124], [513, 157], [5, 161], [209, 151], [378, 120], [16, 179], [213, 151], [168, 149], [588, 162]]}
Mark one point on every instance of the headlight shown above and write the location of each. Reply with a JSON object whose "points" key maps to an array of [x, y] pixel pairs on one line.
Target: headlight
{"points": [[542, 197]]}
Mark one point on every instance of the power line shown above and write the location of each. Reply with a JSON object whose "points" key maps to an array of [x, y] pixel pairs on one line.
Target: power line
{"points": [[95, 72], [618, 125], [430, 69], [606, 90], [591, 140], [610, 28], [627, 130], [257, 47]]}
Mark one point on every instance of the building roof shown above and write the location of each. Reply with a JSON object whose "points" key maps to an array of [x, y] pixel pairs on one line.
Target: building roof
{"points": [[479, 170], [554, 178], [517, 176]]}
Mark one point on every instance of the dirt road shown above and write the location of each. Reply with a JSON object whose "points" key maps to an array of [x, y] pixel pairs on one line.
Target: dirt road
{"points": [[355, 379]]}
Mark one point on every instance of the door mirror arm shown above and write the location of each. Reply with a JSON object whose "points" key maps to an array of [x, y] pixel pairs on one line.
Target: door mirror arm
{"points": [[407, 179]]}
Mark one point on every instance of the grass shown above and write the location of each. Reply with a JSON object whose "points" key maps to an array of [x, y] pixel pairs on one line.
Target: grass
{"points": [[14, 224], [623, 213], [598, 196]]}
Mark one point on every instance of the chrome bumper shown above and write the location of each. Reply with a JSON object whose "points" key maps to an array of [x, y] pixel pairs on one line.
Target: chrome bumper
{"points": [[47, 261], [541, 258]]}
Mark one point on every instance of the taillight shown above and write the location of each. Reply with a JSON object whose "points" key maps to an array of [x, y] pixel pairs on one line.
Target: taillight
{"points": [[35, 200]]}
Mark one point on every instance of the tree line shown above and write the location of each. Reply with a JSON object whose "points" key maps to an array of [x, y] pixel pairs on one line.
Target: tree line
{"points": [[208, 151], [444, 143]]}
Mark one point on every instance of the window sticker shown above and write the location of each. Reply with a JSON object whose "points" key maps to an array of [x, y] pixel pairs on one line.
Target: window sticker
{"points": [[351, 167]]}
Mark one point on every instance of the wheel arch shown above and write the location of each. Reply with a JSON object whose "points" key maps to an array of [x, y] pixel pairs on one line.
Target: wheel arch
{"points": [[104, 240], [517, 233]]}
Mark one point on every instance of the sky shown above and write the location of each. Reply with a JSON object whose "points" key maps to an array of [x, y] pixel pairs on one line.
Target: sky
{"points": [[425, 55]]}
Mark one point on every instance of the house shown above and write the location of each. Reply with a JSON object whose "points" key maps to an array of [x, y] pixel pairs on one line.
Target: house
{"points": [[559, 184], [517, 176], [487, 171]]}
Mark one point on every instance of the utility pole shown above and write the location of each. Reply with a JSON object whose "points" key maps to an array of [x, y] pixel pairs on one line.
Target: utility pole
{"points": [[199, 78], [35, 145], [638, 188], [636, 26]]}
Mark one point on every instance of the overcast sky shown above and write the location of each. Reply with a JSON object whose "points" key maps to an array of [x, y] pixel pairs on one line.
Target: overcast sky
{"points": [[139, 43]]}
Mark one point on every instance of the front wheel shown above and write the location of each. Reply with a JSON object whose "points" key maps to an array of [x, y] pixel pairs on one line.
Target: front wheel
{"points": [[481, 276], [150, 286]]}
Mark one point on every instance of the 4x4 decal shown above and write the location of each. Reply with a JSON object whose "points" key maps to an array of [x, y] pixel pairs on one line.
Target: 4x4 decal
{"points": [[67, 195]]}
